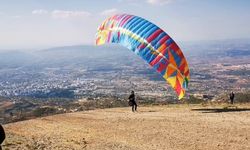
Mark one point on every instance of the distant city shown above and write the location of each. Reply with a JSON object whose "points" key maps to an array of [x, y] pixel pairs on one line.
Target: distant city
{"points": [[89, 71]]}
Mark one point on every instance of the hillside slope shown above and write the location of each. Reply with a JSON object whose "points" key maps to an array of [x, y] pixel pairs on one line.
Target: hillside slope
{"points": [[156, 127]]}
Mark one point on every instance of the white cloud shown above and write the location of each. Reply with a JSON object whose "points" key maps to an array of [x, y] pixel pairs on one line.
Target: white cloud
{"points": [[151, 2], [63, 14], [159, 2], [39, 12], [109, 12]]}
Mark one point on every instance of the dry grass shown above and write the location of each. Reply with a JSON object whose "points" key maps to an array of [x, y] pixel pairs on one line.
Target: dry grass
{"points": [[174, 127]]}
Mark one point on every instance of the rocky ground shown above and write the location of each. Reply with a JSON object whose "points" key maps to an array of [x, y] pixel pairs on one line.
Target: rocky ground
{"points": [[166, 127]]}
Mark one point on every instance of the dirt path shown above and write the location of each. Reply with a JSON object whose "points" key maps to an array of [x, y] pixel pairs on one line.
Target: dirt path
{"points": [[152, 128]]}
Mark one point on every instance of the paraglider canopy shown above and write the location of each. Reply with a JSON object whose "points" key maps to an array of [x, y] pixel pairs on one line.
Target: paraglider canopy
{"points": [[151, 43]]}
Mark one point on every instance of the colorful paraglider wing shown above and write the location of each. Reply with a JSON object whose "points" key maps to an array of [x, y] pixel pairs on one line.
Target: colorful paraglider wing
{"points": [[149, 42]]}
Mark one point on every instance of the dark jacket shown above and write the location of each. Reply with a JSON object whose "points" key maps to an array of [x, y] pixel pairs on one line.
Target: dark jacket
{"points": [[2, 134], [231, 96], [132, 97]]}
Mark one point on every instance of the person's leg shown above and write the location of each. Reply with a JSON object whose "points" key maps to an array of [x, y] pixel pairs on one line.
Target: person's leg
{"points": [[133, 108]]}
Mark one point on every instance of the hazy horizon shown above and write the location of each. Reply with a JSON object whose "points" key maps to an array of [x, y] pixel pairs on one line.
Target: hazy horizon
{"points": [[183, 45]]}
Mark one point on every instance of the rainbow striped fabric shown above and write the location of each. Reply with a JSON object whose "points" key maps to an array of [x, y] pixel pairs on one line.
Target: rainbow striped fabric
{"points": [[151, 43]]}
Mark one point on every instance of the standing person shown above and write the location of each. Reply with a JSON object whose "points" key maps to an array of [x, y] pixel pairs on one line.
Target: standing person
{"points": [[232, 97], [132, 101], [2, 135]]}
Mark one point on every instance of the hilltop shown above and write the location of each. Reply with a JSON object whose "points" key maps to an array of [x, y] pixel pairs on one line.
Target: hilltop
{"points": [[153, 127]]}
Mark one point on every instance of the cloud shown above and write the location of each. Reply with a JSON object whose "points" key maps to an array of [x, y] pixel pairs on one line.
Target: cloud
{"points": [[159, 2], [39, 12], [63, 14], [109, 12], [150, 2]]}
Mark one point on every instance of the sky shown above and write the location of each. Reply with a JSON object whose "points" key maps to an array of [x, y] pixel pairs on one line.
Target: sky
{"points": [[48, 23]]}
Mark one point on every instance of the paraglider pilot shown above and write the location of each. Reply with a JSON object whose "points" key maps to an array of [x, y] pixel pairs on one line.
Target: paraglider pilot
{"points": [[2, 135], [231, 97], [132, 101]]}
